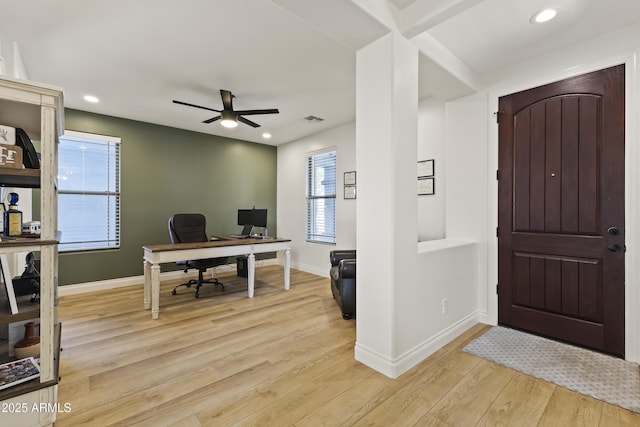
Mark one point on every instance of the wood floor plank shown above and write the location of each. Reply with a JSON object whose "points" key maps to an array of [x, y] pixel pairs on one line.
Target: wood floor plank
{"points": [[281, 358], [347, 408], [475, 393], [414, 399], [566, 409], [237, 408], [521, 403]]}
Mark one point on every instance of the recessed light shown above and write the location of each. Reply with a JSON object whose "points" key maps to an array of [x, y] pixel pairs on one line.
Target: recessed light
{"points": [[91, 98], [266, 135], [543, 16]]}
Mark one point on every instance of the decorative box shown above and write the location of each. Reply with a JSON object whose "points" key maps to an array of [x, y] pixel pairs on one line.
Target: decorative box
{"points": [[10, 156], [7, 135]]}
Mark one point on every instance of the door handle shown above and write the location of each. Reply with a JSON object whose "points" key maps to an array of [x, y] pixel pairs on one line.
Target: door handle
{"points": [[614, 231], [614, 248]]}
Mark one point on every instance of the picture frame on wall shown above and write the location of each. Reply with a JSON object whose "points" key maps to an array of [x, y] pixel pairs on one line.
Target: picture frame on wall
{"points": [[426, 168], [349, 191], [426, 186], [350, 178]]}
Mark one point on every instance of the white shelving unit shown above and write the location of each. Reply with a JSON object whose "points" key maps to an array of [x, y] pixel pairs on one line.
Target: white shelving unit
{"points": [[38, 109]]}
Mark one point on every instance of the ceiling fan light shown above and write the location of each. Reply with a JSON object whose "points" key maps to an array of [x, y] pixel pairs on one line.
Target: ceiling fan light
{"points": [[228, 123], [228, 119]]}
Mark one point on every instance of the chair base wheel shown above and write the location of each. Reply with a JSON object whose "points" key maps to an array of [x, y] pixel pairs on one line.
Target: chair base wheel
{"points": [[199, 283], [346, 316]]}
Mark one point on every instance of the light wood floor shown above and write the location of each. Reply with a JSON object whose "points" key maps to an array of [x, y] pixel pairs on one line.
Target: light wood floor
{"points": [[281, 358]]}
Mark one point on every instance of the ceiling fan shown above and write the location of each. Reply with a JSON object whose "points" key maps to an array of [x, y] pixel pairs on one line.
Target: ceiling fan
{"points": [[228, 116]]}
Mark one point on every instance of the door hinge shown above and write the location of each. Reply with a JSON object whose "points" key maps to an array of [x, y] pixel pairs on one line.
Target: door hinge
{"points": [[497, 288], [497, 116], [497, 231], [498, 174]]}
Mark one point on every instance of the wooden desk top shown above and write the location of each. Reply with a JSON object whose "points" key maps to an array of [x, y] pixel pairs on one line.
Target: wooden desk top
{"points": [[223, 241]]}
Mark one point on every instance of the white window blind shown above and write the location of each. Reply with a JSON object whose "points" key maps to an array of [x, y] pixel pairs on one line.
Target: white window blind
{"points": [[88, 191], [321, 197]]}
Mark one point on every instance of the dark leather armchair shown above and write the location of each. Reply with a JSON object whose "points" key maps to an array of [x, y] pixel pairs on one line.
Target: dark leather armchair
{"points": [[343, 280], [191, 228]]}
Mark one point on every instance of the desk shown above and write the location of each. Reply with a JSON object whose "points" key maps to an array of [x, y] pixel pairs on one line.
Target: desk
{"points": [[154, 255]]}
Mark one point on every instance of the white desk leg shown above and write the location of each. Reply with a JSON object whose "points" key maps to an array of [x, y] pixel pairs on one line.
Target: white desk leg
{"points": [[147, 285], [287, 269], [251, 267], [155, 290]]}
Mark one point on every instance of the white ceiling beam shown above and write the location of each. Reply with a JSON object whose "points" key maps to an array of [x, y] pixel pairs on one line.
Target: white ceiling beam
{"points": [[434, 50], [424, 14], [342, 20], [383, 10]]}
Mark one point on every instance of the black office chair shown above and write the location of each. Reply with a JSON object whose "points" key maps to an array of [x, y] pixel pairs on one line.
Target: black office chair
{"points": [[190, 228]]}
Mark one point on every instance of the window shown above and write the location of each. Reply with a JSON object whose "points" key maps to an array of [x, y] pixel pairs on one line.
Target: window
{"points": [[88, 191], [321, 197]]}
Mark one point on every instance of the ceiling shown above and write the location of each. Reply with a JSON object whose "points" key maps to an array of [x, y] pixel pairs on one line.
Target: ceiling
{"points": [[294, 55]]}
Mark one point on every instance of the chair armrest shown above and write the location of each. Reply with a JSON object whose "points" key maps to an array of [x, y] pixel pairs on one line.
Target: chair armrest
{"points": [[337, 255], [347, 268]]}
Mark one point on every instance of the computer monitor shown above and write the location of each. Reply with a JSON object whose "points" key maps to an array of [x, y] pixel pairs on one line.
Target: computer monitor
{"points": [[249, 218], [260, 217], [245, 217]]}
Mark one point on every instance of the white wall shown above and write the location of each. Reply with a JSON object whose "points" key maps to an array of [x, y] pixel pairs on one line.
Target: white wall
{"points": [[431, 138], [314, 257], [291, 182], [467, 202]]}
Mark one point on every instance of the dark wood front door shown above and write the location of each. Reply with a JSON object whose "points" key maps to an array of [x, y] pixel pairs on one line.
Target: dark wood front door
{"points": [[561, 210]]}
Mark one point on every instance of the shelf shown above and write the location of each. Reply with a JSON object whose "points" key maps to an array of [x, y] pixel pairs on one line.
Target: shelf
{"points": [[35, 384], [26, 311], [27, 178], [18, 243], [39, 111]]}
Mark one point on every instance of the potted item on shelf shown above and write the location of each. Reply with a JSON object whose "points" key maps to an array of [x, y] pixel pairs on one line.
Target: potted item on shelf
{"points": [[29, 346]]}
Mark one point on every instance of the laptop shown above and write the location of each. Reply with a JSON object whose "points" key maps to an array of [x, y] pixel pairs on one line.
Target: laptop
{"points": [[245, 233]]}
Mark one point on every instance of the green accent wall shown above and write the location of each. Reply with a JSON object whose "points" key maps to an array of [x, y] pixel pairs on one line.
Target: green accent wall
{"points": [[165, 171]]}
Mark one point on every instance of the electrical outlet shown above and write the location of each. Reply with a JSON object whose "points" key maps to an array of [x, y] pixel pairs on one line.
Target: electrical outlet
{"points": [[445, 305]]}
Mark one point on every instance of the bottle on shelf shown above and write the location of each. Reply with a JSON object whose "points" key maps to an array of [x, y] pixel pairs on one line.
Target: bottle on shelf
{"points": [[13, 217]]}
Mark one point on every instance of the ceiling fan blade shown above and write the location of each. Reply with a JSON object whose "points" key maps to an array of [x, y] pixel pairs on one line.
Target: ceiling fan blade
{"points": [[251, 112], [196, 106], [248, 122], [212, 119], [227, 99]]}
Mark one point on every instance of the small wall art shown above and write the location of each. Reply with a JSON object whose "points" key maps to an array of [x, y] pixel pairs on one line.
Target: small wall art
{"points": [[350, 185], [426, 177], [426, 186], [426, 168]]}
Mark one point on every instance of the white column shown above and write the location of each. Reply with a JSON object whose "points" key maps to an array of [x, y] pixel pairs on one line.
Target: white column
{"points": [[386, 150]]}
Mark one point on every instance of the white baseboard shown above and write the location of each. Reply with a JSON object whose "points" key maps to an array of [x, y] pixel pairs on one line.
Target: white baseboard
{"points": [[102, 285], [318, 271], [393, 368], [483, 317]]}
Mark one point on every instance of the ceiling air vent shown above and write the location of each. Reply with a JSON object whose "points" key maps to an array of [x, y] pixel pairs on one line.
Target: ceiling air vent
{"points": [[313, 119]]}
